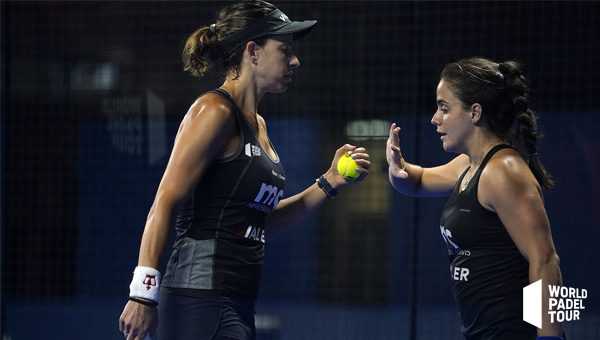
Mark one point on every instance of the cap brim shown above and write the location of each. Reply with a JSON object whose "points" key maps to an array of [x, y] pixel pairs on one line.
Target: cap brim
{"points": [[297, 28]]}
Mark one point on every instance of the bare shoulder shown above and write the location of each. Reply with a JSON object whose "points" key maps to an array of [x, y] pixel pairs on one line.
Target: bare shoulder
{"points": [[209, 120], [507, 163], [506, 177], [212, 106]]}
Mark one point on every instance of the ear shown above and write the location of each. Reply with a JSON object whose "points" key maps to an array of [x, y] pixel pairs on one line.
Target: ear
{"points": [[476, 111], [251, 50]]}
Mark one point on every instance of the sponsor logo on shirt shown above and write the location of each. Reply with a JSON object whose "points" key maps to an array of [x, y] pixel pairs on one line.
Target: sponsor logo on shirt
{"points": [[278, 175], [255, 233], [267, 198], [456, 273], [252, 150], [459, 273], [453, 248]]}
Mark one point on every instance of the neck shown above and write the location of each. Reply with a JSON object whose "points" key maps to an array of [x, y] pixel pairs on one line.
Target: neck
{"points": [[483, 147], [243, 93]]}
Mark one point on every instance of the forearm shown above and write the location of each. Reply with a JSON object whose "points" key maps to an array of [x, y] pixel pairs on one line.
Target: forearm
{"points": [[293, 210], [155, 238], [406, 179], [549, 272]]}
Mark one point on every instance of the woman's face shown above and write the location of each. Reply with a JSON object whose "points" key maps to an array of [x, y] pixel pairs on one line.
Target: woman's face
{"points": [[275, 63], [452, 119]]}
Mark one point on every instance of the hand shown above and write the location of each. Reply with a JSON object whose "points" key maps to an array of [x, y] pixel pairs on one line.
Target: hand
{"points": [[138, 320], [393, 154], [361, 157]]}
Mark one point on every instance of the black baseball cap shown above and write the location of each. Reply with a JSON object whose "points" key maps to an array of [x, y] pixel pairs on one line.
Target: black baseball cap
{"points": [[274, 23]]}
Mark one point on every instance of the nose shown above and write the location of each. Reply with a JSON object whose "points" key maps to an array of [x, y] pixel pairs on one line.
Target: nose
{"points": [[435, 120], [294, 63]]}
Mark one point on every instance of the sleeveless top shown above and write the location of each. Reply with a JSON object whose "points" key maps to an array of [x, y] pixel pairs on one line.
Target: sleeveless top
{"points": [[220, 230], [486, 267]]}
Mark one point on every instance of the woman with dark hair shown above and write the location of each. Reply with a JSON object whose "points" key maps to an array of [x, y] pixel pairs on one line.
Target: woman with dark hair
{"points": [[222, 189], [494, 222]]}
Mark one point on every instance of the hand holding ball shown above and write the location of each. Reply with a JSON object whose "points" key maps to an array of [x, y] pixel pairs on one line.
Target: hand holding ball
{"points": [[346, 166]]}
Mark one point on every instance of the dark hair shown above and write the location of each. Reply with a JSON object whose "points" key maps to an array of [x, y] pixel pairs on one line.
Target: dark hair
{"points": [[202, 51], [503, 93]]}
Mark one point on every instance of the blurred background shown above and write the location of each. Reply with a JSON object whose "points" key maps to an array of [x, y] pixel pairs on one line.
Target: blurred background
{"points": [[92, 94]]}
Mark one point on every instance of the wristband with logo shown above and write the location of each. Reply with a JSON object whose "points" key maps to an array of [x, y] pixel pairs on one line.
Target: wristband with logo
{"points": [[145, 283]]}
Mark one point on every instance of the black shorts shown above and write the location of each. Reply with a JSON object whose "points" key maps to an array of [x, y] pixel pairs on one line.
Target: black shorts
{"points": [[211, 317]]}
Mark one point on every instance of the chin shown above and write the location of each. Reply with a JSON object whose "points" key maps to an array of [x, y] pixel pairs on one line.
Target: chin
{"points": [[279, 89], [447, 148]]}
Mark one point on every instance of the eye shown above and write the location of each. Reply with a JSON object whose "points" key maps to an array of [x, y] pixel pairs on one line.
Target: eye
{"points": [[287, 50]]}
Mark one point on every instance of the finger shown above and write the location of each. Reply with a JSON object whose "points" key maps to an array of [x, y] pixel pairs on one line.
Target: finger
{"points": [[395, 136], [359, 150], [135, 336], [122, 322], [346, 149], [126, 329], [396, 151], [364, 164], [140, 336], [359, 156]]}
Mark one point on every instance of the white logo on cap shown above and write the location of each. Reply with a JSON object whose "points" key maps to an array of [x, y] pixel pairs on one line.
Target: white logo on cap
{"points": [[284, 17]]}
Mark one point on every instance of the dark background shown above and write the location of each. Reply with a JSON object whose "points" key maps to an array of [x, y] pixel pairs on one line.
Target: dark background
{"points": [[92, 95]]}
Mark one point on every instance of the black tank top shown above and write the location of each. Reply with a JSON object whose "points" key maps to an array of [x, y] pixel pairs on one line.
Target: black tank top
{"points": [[486, 267], [220, 230]]}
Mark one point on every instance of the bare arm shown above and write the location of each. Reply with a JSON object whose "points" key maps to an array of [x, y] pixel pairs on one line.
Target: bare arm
{"points": [[203, 134], [292, 210], [510, 189], [414, 180]]}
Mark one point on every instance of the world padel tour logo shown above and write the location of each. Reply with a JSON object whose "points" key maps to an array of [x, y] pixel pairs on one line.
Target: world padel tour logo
{"points": [[564, 303]]}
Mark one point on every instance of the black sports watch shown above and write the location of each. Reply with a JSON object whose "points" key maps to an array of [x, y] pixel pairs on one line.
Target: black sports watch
{"points": [[327, 188]]}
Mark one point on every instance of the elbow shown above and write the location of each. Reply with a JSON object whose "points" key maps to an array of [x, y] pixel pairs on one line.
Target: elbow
{"points": [[167, 200], [542, 266], [549, 259], [552, 259]]}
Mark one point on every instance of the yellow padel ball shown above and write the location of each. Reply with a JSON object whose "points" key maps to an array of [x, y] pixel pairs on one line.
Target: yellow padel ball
{"points": [[346, 166]]}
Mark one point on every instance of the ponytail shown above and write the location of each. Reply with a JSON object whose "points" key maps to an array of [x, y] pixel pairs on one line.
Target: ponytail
{"points": [[198, 48], [525, 129]]}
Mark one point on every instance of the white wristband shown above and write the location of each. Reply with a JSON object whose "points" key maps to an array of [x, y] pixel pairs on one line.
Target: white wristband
{"points": [[145, 283]]}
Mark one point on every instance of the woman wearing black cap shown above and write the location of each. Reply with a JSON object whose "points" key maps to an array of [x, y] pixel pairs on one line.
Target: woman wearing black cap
{"points": [[223, 186]]}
